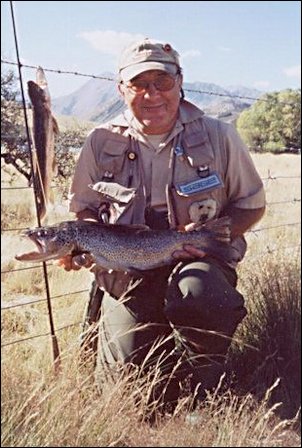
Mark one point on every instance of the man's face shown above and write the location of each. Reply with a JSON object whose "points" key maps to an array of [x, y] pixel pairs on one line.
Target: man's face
{"points": [[153, 97]]}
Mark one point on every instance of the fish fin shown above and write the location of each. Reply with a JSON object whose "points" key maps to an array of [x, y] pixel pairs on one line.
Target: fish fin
{"points": [[126, 228], [217, 223], [129, 227], [55, 126], [137, 273], [220, 227]]}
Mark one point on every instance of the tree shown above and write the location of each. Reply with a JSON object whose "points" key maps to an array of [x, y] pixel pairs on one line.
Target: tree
{"points": [[273, 122], [13, 136], [14, 143], [68, 144]]}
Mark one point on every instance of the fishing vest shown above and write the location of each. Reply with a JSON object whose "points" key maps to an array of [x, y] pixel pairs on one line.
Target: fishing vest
{"points": [[208, 170], [196, 173]]}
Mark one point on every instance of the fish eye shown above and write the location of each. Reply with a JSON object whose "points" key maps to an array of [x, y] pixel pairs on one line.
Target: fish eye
{"points": [[42, 232]]}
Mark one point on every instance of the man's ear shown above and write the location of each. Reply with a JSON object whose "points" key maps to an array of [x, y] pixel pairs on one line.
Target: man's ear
{"points": [[121, 89], [181, 78]]}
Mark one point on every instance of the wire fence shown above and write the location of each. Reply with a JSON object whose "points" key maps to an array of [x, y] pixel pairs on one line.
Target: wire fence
{"points": [[10, 305], [269, 178], [106, 78]]}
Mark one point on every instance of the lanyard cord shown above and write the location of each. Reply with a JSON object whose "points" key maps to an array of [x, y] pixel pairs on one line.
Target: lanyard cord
{"points": [[176, 151]]}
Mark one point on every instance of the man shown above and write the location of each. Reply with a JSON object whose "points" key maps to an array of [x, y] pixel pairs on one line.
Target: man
{"points": [[183, 168]]}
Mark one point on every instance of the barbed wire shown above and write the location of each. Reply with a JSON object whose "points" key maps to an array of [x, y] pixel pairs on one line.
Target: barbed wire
{"points": [[277, 249], [17, 229], [292, 201], [33, 302], [251, 231], [270, 177], [24, 269], [266, 228], [5, 344], [60, 72], [106, 78], [274, 227], [17, 188], [267, 252]]}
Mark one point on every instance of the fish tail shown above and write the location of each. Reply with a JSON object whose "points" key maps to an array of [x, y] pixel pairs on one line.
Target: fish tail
{"points": [[219, 228]]}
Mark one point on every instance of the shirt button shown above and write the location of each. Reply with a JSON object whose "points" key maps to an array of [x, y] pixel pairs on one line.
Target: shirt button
{"points": [[131, 156]]}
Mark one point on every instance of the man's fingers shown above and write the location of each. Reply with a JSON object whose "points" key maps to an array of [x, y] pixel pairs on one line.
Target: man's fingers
{"points": [[194, 251], [189, 252], [182, 255], [65, 262], [82, 260], [70, 263]]}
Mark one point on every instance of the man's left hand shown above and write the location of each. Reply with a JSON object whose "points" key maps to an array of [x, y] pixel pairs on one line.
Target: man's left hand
{"points": [[189, 251]]}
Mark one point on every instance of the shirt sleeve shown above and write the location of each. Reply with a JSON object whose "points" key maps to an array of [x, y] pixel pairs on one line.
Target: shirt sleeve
{"points": [[86, 172], [243, 184]]}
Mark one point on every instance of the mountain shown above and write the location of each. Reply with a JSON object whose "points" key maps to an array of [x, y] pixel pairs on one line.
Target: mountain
{"points": [[98, 100]]}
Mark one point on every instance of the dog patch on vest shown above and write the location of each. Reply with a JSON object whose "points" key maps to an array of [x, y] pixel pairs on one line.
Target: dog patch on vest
{"points": [[202, 211]]}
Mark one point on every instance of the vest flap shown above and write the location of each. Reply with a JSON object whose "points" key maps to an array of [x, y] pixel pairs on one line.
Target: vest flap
{"points": [[115, 147], [198, 149], [113, 153]]}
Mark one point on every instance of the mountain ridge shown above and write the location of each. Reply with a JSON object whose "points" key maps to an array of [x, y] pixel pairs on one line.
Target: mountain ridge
{"points": [[98, 100]]}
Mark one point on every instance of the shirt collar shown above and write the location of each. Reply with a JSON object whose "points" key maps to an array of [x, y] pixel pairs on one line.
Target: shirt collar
{"points": [[188, 112]]}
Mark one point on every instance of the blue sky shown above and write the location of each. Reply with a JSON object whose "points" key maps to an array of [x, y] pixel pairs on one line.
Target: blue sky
{"points": [[253, 44]]}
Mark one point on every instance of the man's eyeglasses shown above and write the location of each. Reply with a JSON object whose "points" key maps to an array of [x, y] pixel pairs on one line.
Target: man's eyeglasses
{"points": [[163, 83]]}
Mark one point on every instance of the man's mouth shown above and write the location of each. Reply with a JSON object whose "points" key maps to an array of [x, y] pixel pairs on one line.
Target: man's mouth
{"points": [[154, 108]]}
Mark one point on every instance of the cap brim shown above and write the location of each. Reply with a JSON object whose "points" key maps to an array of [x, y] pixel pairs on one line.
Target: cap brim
{"points": [[131, 72]]}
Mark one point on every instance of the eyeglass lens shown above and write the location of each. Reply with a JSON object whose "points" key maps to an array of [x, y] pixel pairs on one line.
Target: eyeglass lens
{"points": [[161, 83]]}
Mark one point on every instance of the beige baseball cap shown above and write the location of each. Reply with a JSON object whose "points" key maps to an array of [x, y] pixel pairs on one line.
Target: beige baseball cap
{"points": [[147, 55]]}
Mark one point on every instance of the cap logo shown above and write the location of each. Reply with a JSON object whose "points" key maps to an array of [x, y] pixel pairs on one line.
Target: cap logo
{"points": [[167, 48]]}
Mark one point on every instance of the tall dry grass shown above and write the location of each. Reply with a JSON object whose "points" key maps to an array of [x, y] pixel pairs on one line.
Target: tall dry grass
{"points": [[257, 402], [70, 410]]}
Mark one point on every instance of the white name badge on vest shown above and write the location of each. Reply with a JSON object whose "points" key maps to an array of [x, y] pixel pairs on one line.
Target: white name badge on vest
{"points": [[211, 182]]}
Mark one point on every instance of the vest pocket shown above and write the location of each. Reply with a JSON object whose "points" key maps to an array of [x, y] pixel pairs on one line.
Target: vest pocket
{"points": [[112, 157]]}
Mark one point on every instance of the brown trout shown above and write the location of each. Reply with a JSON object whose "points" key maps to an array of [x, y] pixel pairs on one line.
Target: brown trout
{"points": [[124, 247], [44, 130]]}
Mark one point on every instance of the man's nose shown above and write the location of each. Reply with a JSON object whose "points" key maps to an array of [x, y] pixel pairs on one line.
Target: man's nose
{"points": [[151, 89]]}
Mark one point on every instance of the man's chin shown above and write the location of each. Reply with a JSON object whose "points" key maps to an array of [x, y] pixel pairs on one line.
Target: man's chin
{"points": [[154, 125]]}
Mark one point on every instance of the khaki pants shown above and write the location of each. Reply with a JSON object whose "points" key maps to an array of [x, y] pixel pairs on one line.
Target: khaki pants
{"points": [[188, 313]]}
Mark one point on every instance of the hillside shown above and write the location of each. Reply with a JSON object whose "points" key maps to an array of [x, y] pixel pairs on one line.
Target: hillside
{"points": [[98, 100]]}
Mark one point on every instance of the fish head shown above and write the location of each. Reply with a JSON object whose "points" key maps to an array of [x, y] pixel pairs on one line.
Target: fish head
{"points": [[38, 94], [51, 242]]}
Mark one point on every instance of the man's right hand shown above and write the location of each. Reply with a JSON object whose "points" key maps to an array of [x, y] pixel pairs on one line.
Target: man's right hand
{"points": [[76, 262]]}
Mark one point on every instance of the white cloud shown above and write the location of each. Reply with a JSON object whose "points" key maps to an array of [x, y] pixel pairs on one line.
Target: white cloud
{"points": [[109, 42], [293, 72], [190, 54], [261, 84]]}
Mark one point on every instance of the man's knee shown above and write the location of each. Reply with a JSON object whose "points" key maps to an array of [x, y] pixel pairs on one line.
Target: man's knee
{"points": [[200, 295]]}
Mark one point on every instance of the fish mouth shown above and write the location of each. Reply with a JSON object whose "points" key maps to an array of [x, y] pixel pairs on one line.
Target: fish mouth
{"points": [[37, 239], [43, 252]]}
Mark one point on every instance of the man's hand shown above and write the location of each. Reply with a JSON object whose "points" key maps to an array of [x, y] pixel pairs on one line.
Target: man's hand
{"points": [[189, 251], [76, 262]]}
